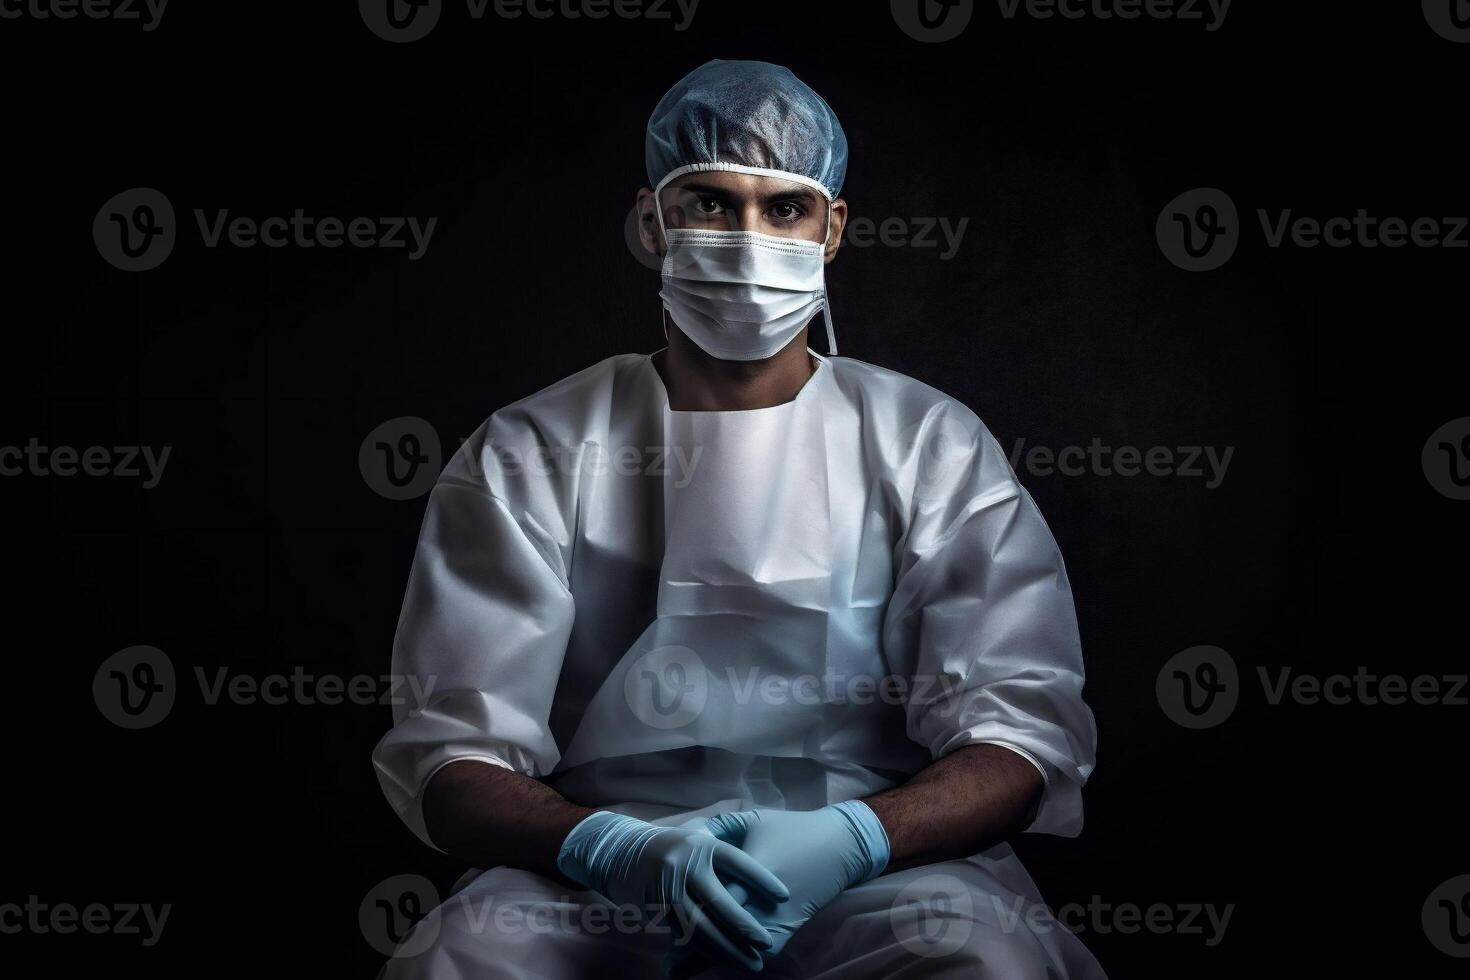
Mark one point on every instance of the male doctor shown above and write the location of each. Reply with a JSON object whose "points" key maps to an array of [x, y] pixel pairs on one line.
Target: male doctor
{"points": [[744, 658]]}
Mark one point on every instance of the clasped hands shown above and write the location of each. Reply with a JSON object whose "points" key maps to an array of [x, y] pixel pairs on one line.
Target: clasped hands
{"points": [[743, 884]]}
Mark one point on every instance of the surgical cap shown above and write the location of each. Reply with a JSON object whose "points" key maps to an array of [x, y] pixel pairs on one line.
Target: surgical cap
{"points": [[750, 117]]}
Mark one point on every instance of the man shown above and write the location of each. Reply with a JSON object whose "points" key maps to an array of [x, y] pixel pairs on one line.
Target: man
{"points": [[767, 648]]}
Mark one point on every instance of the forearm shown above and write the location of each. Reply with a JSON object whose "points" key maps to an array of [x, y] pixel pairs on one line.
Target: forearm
{"points": [[972, 799], [491, 816]]}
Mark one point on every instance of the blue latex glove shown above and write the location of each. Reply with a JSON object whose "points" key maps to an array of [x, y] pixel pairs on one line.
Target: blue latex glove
{"points": [[632, 862], [817, 853]]}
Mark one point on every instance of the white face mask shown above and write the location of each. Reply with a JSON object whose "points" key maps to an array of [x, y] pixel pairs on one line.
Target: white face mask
{"points": [[741, 295]]}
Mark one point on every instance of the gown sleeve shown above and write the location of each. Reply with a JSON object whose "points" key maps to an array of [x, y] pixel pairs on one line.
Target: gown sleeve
{"points": [[982, 620], [483, 632]]}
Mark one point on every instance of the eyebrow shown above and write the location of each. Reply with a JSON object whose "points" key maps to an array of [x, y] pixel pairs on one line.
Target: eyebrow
{"points": [[795, 193]]}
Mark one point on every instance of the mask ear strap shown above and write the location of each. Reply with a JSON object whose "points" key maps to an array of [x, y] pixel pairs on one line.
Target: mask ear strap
{"points": [[826, 300]]}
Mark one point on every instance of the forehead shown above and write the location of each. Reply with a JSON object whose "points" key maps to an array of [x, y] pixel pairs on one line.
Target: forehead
{"points": [[741, 187]]}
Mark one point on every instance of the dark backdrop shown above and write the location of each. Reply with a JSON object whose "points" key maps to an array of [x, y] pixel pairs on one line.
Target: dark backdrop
{"points": [[1060, 320]]}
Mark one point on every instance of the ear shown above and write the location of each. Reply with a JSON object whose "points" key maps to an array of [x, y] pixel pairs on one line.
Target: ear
{"points": [[648, 231], [839, 224]]}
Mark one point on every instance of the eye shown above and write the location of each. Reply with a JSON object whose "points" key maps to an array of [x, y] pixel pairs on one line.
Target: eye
{"points": [[708, 206], [788, 211]]}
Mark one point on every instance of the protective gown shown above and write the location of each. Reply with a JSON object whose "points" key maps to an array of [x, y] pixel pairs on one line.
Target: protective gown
{"points": [[671, 614]]}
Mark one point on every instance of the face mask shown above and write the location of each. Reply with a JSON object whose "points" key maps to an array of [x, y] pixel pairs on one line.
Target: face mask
{"points": [[741, 295]]}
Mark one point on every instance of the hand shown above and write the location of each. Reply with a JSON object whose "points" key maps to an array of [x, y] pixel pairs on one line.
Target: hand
{"points": [[817, 853], [632, 862]]}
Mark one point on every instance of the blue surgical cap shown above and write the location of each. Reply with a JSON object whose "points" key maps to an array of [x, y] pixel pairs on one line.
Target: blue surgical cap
{"points": [[748, 116]]}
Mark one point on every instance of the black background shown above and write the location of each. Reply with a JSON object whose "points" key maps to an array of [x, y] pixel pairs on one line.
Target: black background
{"points": [[1059, 321]]}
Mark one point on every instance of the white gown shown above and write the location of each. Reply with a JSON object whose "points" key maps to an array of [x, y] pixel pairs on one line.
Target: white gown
{"points": [[672, 614]]}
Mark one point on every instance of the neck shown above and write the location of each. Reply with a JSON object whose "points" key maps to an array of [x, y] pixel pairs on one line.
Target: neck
{"points": [[697, 382]]}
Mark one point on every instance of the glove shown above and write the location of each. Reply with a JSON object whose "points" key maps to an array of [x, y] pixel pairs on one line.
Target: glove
{"points": [[817, 853], [632, 862]]}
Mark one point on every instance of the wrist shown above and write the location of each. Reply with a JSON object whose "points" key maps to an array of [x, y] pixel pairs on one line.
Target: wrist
{"points": [[872, 851], [576, 857]]}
